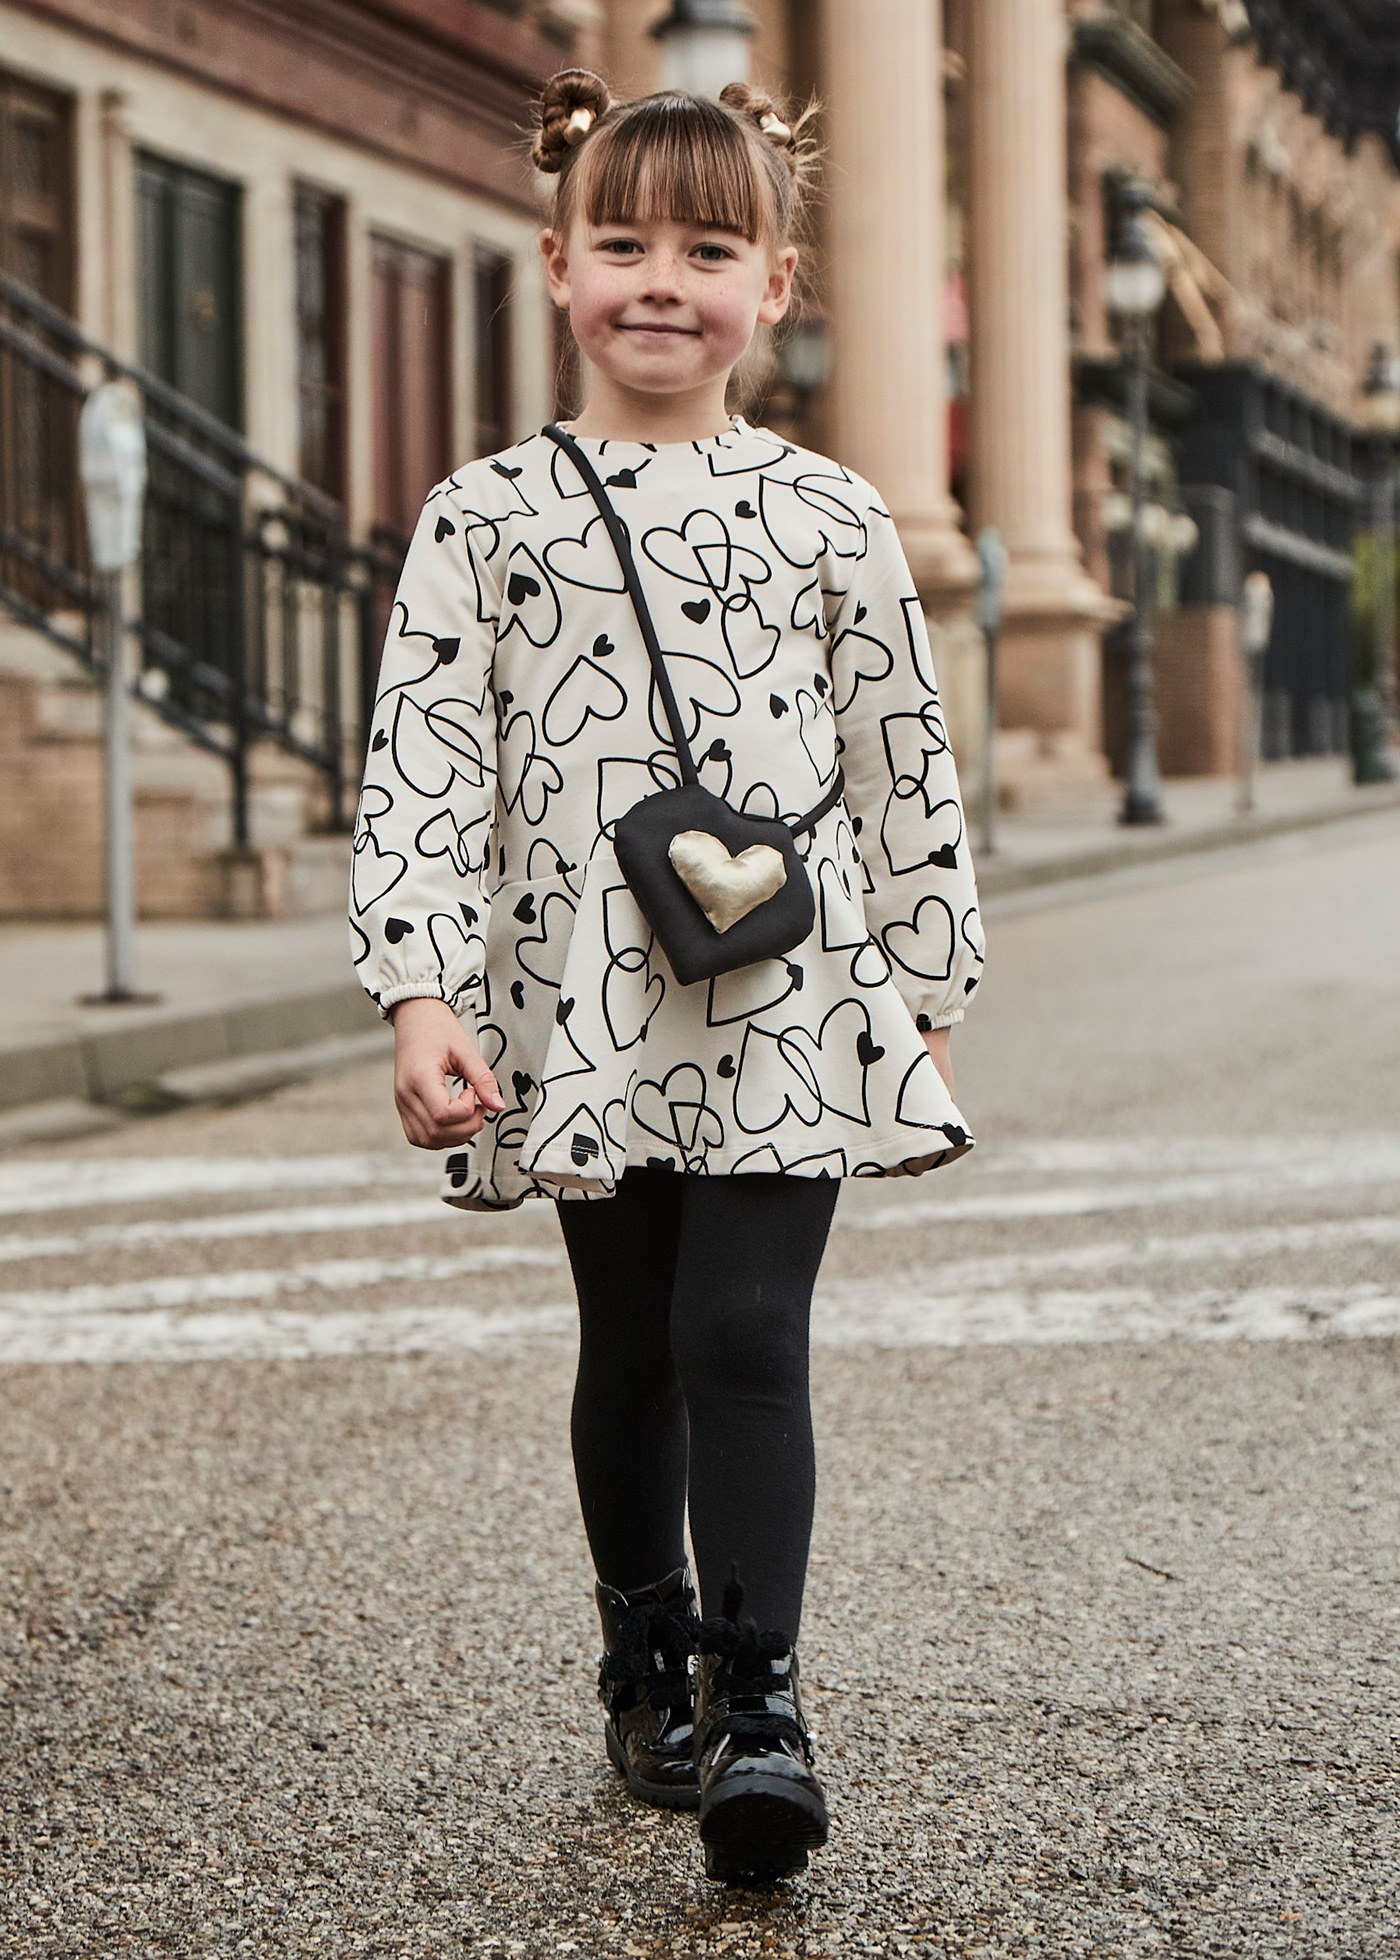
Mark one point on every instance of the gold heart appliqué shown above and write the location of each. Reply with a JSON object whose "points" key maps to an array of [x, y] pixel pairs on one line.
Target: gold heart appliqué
{"points": [[725, 888]]}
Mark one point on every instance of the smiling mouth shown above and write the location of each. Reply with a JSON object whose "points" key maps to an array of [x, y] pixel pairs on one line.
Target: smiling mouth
{"points": [[681, 333]]}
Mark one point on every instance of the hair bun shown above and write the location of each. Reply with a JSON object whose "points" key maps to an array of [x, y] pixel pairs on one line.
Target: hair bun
{"points": [[573, 103], [764, 111]]}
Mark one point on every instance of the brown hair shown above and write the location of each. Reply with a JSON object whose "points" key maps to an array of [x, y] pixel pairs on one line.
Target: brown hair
{"points": [[736, 164]]}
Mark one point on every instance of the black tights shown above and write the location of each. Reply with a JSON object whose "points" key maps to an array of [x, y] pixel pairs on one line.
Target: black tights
{"points": [[694, 1299]]}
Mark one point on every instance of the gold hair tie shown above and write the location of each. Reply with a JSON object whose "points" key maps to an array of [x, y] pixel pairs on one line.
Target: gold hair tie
{"points": [[578, 125], [774, 127]]}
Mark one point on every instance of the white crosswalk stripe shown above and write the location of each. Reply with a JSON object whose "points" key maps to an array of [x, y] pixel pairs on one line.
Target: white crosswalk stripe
{"points": [[1210, 1282]]}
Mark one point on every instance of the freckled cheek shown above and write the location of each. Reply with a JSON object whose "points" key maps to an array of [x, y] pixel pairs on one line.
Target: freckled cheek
{"points": [[590, 316], [729, 328]]}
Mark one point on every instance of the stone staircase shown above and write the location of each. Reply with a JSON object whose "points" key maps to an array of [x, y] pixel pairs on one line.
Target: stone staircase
{"points": [[51, 817]]}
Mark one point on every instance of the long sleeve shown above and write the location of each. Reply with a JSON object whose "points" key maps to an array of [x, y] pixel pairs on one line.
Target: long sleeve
{"points": [[422, 845], [901, 782]]}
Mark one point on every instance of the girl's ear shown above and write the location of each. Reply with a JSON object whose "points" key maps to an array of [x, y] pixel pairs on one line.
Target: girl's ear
{"points": [[777, 294], [556, 267]]}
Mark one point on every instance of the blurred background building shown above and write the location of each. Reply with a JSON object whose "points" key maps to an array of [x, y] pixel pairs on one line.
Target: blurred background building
{"points": [[309, 233]]}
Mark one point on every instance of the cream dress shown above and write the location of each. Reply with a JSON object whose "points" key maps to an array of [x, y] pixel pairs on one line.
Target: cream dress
{"points": [[517, 719]]}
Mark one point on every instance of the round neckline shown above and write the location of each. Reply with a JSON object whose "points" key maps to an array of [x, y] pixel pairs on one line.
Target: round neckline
{"points": [[737, 427]]}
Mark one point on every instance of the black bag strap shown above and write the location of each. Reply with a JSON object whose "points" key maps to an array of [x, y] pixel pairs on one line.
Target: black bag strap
{"points": [[622, 545]]}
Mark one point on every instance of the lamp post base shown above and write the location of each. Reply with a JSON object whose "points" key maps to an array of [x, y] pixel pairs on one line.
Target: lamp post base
{"points": [[1139, 807], [1373, 760]]}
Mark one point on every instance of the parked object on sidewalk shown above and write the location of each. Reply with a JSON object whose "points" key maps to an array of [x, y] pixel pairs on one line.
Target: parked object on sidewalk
{"points": [[1256, 629], [1373, 714], [992, 558], [112, 451], [1135, 287]]}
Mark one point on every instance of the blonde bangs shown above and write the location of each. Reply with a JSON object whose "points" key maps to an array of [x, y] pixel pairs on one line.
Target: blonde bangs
{"points": [[678, 158]]}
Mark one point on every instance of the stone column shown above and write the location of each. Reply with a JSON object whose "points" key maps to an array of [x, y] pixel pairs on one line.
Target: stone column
{"points": [[882, 80], [115, 279], [1048, 673]]}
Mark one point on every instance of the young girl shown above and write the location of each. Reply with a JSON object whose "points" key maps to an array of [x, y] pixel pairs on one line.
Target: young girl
{"points": [[692, 1136]]}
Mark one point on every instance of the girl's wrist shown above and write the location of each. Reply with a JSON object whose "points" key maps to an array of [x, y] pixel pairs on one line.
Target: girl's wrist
{"points": [[419, 1007]]}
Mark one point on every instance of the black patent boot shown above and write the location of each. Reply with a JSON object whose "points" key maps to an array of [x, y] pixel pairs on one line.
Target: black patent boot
{"points": [[762, 1808], [644, 1686]]}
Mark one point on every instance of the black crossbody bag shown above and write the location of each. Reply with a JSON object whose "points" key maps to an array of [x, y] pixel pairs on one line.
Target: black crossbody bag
{"points": [[718, 888]]}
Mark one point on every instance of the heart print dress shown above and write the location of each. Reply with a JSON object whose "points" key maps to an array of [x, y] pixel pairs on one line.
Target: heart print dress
{"points": [[517, 718]]}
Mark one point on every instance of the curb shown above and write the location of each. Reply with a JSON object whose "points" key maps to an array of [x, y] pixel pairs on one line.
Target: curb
{"points": [[243, 1050], [997, 878], [103, 1068]]}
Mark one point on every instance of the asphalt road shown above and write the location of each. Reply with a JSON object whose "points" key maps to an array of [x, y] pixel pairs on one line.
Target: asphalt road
{"points": [[295, 1631]]}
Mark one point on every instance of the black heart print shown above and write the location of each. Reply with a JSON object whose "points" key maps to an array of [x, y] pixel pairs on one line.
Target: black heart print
{"points": [[503, 760]]}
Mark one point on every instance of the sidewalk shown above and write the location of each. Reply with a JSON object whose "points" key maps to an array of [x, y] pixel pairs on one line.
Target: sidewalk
{"points": [[244, 1006]]}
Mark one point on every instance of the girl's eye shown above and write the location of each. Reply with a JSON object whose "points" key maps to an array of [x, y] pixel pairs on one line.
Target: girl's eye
{"points": [[713, 254], [620, 246]]}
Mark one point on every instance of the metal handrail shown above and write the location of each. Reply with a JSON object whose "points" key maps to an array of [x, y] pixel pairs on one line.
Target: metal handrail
{"points": [[259, 619], [153, 389]]}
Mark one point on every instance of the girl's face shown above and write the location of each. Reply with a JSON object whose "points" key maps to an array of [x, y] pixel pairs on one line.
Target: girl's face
{"points": [[664, 307]]}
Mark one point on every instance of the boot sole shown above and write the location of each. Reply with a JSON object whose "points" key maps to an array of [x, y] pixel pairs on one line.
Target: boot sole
{"points": [[760, 1828], [661, 1796]]}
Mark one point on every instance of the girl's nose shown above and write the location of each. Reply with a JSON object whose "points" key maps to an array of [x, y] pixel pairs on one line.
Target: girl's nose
{"points": [[662, 276]]}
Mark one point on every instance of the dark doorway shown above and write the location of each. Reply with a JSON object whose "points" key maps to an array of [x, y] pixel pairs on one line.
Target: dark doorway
{"points": [[191, 337], [412, 394], [40, 520], [412, 382], [321, 393], [191, 288]]}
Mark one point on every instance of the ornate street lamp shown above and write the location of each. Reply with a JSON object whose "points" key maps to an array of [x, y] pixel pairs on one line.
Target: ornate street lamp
{"points": [[1373, 708], [704, 44], [1135, 286]]}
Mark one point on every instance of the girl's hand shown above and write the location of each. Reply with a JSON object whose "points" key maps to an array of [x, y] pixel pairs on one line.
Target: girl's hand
{"points": [[429, 1045], [936, 1041]]}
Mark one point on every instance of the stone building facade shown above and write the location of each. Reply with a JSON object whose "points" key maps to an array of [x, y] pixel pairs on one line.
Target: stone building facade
{"points": [[985, 385], [318, 222]]}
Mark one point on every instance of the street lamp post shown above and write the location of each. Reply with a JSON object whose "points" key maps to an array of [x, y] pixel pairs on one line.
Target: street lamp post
{"points": [[1373, 709], [1135, 287], [704, 44]]}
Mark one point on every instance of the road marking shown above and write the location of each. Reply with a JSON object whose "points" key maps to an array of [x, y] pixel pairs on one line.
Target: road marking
{"points": [[1032, 1296], [867, 1312], [289, 1220], [990, 1273], [191, 1291], [1263, 1172], [1171, 1170], [864, 1314], [998, 1270], [1281, 1186], [70, 1184], [165, 1335]]}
